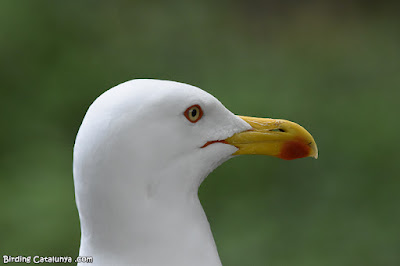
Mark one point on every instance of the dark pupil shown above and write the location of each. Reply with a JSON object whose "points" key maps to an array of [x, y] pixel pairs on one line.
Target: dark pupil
{"points": [[194, 112]]}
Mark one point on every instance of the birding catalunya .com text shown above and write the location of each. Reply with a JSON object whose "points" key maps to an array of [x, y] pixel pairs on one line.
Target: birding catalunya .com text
{"points": [[41, 259]]}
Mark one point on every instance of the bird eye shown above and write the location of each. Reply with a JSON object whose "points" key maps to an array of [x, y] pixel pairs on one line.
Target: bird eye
{"points": [[193, 113]]}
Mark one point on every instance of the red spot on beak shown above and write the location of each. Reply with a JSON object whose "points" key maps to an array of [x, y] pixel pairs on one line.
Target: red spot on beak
{"points": [[214, 141], [294, 149]]}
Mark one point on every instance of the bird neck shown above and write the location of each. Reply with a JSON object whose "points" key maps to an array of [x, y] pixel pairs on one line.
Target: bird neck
{"points": [[147, 223]]}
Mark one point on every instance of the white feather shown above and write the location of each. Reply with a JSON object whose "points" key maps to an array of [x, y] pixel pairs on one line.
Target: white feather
{"points": [[138, 163]]}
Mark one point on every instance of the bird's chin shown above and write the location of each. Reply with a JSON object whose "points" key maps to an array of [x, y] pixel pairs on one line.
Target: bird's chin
{"points": [[217, 150]]}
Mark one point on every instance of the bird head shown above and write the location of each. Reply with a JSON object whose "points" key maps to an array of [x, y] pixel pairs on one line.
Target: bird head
{"points": [[142, 151], [150, 126]]}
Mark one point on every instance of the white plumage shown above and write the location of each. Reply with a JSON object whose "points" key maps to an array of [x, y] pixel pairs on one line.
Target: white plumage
{"points": [[138, 163], [141, 153]]}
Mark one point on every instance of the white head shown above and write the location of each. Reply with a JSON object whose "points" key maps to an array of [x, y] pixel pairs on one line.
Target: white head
{"points": [[142, 151]]}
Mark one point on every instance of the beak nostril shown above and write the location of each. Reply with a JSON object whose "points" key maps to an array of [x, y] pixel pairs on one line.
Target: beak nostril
{"points": [[278, 130]]}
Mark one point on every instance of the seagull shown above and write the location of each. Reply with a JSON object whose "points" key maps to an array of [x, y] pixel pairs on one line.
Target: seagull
{"points": [[142, 151]]}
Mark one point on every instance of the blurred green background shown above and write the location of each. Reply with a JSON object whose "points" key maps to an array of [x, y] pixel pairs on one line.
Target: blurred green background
{"points": [[332, 66]]}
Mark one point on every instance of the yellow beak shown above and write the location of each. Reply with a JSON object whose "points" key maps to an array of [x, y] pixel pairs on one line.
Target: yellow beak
{"points": [[274, 137]]}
